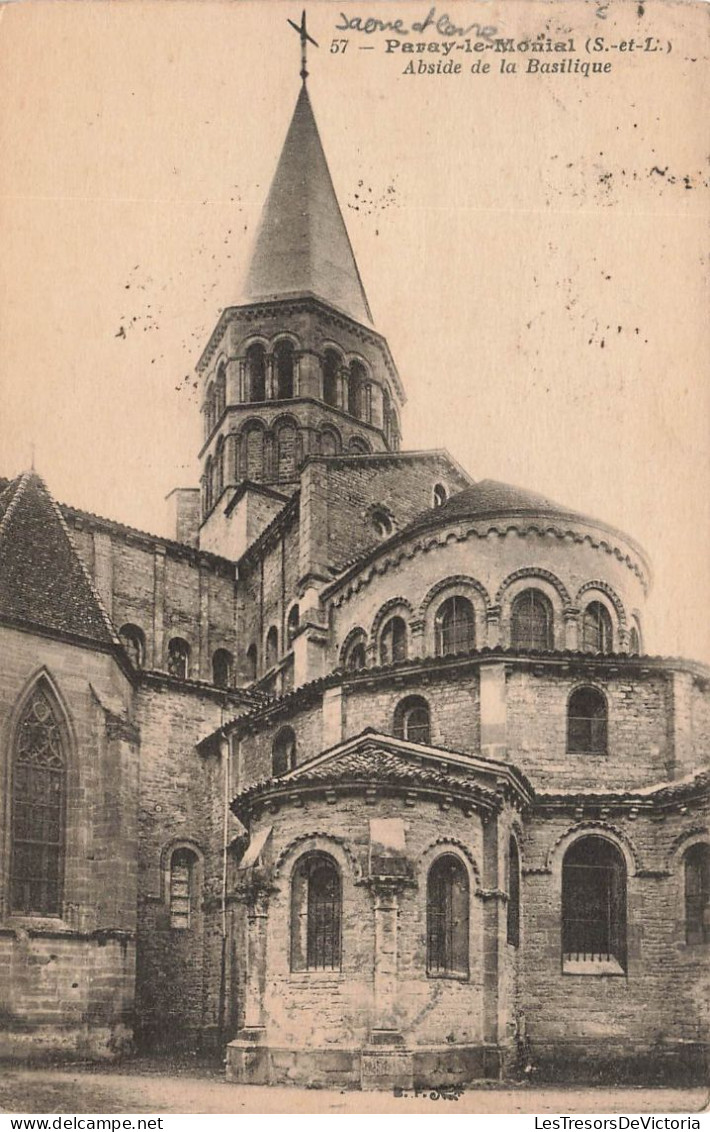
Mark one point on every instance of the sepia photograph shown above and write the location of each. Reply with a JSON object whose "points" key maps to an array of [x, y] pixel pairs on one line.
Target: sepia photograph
{"points": [[354, 557]]}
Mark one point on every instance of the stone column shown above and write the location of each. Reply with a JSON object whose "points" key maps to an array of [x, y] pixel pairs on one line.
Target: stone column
{"points": [[385, 1062], [248, 1059], [493, 904], [571, 617], [417, 636]]}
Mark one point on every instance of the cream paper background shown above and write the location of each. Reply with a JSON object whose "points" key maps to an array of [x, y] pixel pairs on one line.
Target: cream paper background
{"points": [[533, 247]]}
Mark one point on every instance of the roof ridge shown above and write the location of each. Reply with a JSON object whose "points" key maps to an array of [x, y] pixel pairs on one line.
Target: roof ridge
{"points": [[22, 480]]}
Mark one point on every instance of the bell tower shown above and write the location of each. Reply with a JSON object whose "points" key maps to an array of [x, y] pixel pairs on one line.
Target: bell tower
{"points": [[297, 368]]}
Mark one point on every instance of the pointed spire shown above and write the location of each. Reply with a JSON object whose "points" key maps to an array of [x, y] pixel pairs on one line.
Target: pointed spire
{"points": [[302, 246]]}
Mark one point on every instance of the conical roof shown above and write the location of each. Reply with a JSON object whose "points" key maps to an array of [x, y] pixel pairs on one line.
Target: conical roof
{"points": [[302, 246]]}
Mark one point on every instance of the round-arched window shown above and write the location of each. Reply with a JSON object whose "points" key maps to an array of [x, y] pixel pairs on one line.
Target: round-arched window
{"points": [[531, 621], [455, 627], [597, 632], [412, 720], [393, 641], [133, 641], [283, 753]]}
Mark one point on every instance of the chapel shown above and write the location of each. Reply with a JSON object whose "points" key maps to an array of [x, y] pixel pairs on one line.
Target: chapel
{"points": [[368, 775]]}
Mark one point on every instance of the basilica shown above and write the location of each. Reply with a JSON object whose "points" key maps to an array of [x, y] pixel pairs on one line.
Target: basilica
{"points": [[367, 776]]}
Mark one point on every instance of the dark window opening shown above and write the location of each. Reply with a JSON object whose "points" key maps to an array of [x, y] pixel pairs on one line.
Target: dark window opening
{"points": [[597, 632], [252, 662], [331, 368], [531, 621], [356, 653], [283, 753], [38, 798], [455, 627], [272, 647], [284, 366], [222, 666], [182, 880], [292, 624], [634, 641], [412, 720], [393, 641], [179, 658], [382, 523], [256, 373], [587, 722], [316, 914], [697, 894], [513, 910], [133, 641], [594, 902], [440, 495], [447, 917]]}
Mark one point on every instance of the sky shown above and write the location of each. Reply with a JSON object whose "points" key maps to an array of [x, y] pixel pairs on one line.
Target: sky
{"points": [[534, 248]]}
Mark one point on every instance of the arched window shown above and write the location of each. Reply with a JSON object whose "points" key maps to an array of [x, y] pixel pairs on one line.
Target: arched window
{"points": [[356, 383], [513, 910], [183, 873], [447, 917], [587, 722], [382, 522], [358, 446], [178, 658], [256, 373], [38, 801], [697, 894], [455, 627], [254, 454], [634, 640], [219, 469], [597, 633], [316, 914], [220, 391], [412, 720], [272, 647], [355, 654], [209, 409], [331, 367], [252, 662], [593, 903], [292, 623], [440, 495], [531, 621], [284, 369], [393, 641], [329, 443], [209, 484], [133, 641], [287, 452], [222, 667], [283, 752]]}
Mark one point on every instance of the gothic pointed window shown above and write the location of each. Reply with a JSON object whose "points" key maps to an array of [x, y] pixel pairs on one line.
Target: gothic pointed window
{"points": [[593, 904], [331, 368], [412, 720], [38, 801], [587, 722], [597, 632], [393, 641], [256, 373], [455, 627], [531, 621], [447, 917], [316, 914], [284, 369], [697, 894], [283, 754], [513, 908], [178, 658]]}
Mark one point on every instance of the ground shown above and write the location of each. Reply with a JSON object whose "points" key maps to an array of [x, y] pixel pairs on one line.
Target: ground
{"points": [[151, 1087]]}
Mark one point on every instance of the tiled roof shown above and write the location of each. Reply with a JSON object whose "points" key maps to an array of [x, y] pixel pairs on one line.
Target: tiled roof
{"points": [[43, 582], [489, 497]]}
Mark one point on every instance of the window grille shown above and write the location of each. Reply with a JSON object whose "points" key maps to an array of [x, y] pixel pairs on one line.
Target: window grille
{"points": [[455, 627], [447, 917], [393, 641], [697, 894], [316, 914], [597, 633], [594, 902], [38, 789], [531, 621], [587, 722], [182, 869], [412, 720]]}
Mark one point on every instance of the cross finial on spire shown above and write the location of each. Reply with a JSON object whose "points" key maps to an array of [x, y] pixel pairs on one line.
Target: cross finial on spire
{"points": [[305, 38]]}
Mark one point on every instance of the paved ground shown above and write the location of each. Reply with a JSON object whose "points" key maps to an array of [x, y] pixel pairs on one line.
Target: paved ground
{"points": [[149, 1088]]}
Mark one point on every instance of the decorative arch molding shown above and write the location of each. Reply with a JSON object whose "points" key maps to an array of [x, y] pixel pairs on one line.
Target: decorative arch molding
{"points": [[357, 633], [284, 420], [395, 604], [531, 573], [443, 845], [251, 423], [605, 829], [606, 589], [353, 356], [517, 831], [455, 580], [317, 841], [284, 336], [43, 678], [220, 360], [328, 345], [252, 340], [173, 846], [697, 834], [427, 542]]}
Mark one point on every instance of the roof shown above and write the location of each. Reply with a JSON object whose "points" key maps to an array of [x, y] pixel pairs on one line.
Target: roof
{"points": [[490, 497], [372, 760], [302, 246], [43, 582]]}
